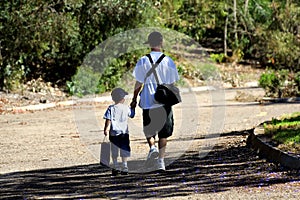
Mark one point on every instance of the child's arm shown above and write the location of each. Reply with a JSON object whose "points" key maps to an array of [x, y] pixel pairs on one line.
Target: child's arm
{"points": [[106, 127], [132, 112]]}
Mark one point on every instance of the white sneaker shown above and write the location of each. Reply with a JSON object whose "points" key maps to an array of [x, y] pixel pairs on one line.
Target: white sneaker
{"points": [[161, 165], [153, 153]]}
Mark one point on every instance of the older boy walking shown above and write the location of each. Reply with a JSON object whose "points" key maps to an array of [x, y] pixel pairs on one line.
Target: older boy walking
{"points": [[157, 118]]}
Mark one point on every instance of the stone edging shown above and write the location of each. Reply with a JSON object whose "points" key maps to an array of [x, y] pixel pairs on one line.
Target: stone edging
{"points": [[282, 100], [43, 106], [271, 153]]}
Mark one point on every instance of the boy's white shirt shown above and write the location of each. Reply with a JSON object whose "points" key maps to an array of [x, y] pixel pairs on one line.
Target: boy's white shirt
{"points": [[118, 115], [166, 71]]}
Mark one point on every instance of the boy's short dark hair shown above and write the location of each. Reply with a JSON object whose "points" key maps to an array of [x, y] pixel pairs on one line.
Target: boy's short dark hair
{"points": [[154, 38]]}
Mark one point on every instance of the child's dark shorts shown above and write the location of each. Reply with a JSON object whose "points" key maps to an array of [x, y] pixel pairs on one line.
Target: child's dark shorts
{"points": [[122, 143], [158, 121]]}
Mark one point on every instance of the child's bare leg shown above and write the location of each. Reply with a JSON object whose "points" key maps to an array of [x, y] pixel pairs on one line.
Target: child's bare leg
{"points": [[124, 167], [124, 161]]}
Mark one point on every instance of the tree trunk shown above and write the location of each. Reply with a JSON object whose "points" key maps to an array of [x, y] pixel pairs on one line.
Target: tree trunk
{"points": [[235, 21], [225, 36]]}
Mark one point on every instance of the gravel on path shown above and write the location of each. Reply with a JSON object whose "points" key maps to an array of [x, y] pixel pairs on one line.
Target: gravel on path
{"points": [[45, 156]]}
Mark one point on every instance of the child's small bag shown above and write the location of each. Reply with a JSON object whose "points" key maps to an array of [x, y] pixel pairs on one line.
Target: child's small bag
{"points": [[105, 152]]}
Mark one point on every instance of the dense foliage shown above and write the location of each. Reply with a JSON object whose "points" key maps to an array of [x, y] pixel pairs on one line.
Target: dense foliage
{"points": [[49, 39], [280, 83]]}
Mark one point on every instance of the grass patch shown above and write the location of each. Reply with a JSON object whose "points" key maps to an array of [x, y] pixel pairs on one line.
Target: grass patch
{"points": [[285, 130]]}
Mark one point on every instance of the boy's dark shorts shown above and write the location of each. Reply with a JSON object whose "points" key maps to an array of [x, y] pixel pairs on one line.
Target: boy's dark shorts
{"points": [[158, 121], [122, 143]]}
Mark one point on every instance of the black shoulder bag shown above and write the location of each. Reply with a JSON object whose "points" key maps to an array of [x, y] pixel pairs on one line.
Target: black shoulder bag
{"points": [[167, 94]]}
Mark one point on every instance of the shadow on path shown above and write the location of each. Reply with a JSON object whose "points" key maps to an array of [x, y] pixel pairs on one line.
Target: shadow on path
{"points": [[223, 168]]}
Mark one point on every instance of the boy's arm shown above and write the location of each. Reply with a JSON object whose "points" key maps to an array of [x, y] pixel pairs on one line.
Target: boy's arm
{"points": [[137, 89], [106, 127], [132, 112]]}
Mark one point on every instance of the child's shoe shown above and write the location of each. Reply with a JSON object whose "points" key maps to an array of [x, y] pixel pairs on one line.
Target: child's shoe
{"points": [[124, 171], [115, 172]]}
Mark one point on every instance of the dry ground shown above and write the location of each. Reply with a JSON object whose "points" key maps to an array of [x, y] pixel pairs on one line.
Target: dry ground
{"points": [[53, 154]]}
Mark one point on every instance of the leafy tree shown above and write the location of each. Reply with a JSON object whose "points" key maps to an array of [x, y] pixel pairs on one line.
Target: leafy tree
{"points": [[49, 39], [40, 39]]}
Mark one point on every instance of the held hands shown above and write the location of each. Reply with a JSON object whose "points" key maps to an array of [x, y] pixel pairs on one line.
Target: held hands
{"points": [[133, 104], [132, 107]]}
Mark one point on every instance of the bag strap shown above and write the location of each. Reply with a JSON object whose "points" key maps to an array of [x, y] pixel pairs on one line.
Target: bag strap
{"points": [[154, 65]]}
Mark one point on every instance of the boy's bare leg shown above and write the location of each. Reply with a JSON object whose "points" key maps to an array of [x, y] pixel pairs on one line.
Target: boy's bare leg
{"points": [[124, 160], [162, 143], [151, 141], [124, 170]]}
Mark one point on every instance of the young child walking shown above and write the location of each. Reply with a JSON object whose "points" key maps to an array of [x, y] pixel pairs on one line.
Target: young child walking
{"points": [[116, 126]]}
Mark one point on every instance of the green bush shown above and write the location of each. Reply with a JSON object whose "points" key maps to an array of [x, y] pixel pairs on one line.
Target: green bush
{"points": [[270, 82], [49, 39], [284, 49], [202, 71], [218, 57], [281, 83], [13, 77], [85, 82]]}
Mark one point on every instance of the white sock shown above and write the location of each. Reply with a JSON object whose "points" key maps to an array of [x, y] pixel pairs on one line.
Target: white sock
{"points": [[161, 160], [152, 147]]}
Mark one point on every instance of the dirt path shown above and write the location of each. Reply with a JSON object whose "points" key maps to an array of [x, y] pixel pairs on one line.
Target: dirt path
{"points": [[53, 154]]}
